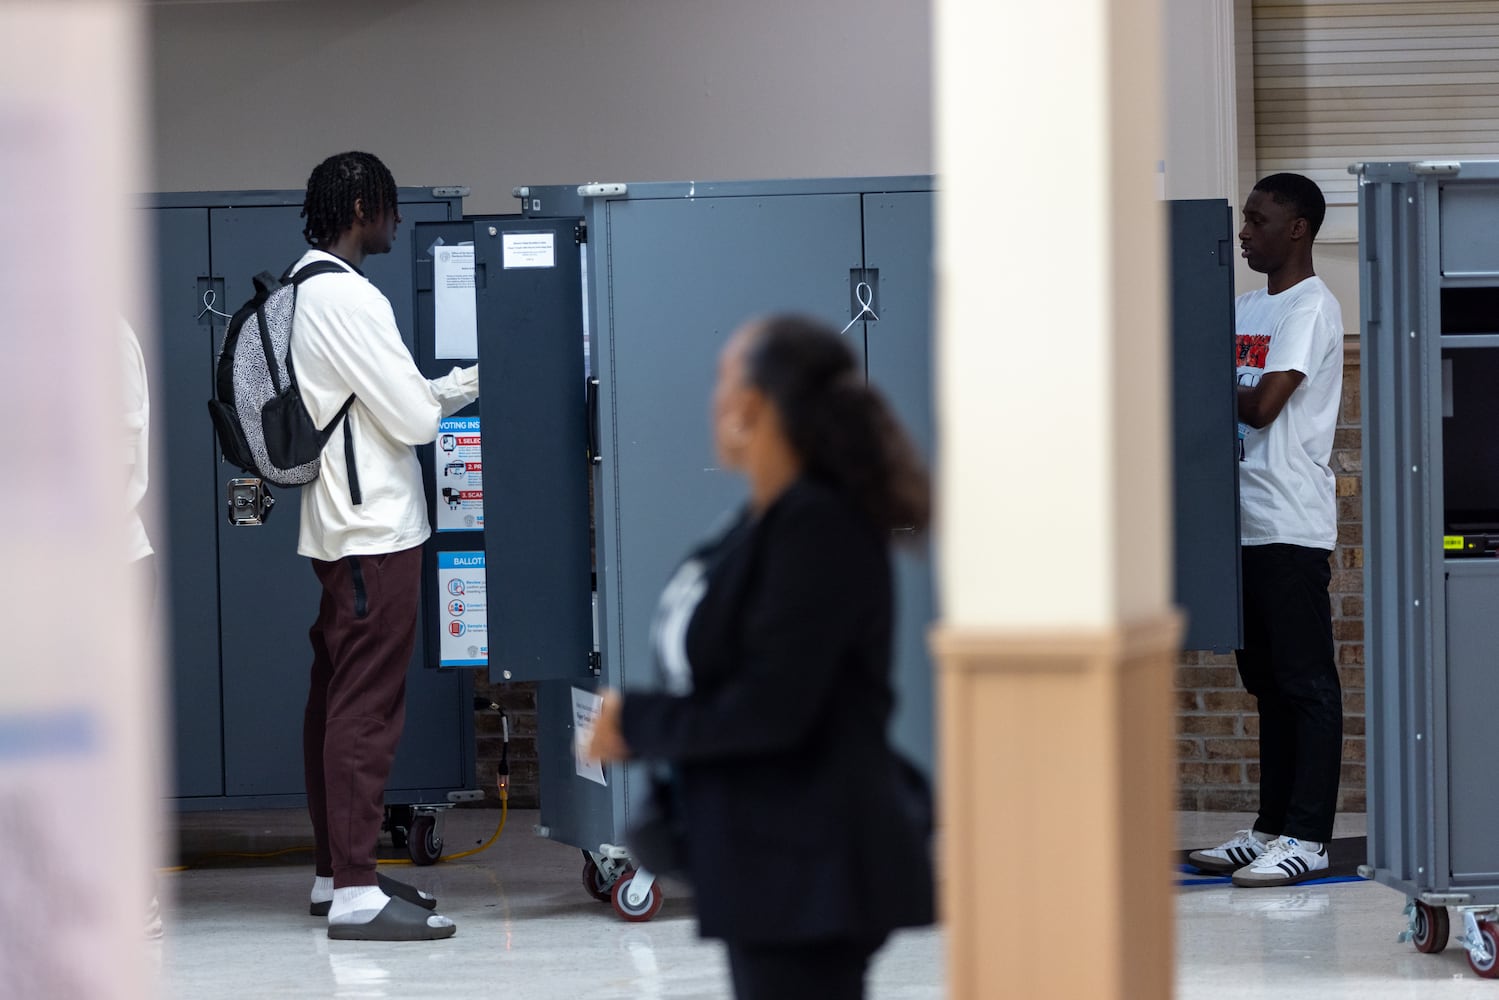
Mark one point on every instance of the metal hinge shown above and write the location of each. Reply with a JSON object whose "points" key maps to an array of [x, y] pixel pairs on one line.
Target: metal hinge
{"points": [[596, 662], [580, 233]]}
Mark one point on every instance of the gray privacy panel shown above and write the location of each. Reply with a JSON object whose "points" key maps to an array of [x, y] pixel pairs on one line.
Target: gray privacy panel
{"points": [[1469, 240], [898, 353], [533, 406], [1472, 707], [269, 593], [683, 275], [1205, 476], [179, 360], [574, 810]]}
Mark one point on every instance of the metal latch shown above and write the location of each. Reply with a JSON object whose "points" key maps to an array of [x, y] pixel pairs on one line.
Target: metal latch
{"points": [[249, 501]]}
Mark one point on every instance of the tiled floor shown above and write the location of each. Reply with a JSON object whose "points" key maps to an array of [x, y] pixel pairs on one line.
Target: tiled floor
{"points": [[527, 931], [1335, 942], [526, 928]]}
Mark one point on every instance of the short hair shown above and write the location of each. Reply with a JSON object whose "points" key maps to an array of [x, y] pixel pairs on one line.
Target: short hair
{"points": [[335, 185], [1301, 193]]}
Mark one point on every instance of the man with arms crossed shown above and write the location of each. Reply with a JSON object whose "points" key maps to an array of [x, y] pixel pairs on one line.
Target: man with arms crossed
{"points": [[1289, 339]]}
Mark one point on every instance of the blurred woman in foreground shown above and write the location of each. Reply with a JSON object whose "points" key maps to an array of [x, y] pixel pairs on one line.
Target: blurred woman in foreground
{"points": [[804, 834]]}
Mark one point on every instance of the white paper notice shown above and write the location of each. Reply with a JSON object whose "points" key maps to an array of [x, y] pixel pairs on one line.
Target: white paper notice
{"points": [[462, 592], [586, 706], [529, 250], [458, 480], [453, 301]]}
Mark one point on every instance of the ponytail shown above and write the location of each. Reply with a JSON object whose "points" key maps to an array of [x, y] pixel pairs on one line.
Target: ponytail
{"points": [[840, 426]]}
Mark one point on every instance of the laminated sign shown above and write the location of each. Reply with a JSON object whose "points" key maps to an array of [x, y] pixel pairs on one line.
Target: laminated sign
{"points": [[463, 613], [459, 476]]}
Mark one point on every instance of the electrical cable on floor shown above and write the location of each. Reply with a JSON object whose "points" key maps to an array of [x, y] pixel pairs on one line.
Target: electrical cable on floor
{"points": [[502, 781]]}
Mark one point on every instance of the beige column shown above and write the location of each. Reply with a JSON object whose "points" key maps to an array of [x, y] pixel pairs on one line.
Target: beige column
{"points": [[1057, 639]]}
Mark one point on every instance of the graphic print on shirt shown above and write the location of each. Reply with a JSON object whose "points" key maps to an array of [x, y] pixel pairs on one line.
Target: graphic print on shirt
{"points": [[1250, 352], [669, 631]]}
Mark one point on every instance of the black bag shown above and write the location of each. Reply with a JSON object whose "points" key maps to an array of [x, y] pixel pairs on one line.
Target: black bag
{"points": [[657, 838], [262, 423]]}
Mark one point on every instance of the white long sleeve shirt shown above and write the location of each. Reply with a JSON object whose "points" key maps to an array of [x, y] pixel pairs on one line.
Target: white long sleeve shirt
{"points": [[137, 452], [345, 341]]}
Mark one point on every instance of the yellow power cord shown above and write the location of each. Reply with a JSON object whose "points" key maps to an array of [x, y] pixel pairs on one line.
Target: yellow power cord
{"points": [[504, 785]]}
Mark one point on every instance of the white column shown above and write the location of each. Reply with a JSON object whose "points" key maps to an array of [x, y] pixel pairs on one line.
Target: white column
{"points": [[1057, 644], [78, 798], [1052, 350]]}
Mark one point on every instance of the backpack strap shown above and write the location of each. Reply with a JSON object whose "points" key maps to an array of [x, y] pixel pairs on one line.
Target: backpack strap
{"points": [[317, 267], [355, 494], [312, 270]]}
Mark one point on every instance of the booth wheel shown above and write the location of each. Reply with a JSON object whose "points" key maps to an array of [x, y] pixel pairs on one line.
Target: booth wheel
{"points": [[424, 842], [594, 882], [1432, 929], [1490, 969], [398, 822], [647, 908]]}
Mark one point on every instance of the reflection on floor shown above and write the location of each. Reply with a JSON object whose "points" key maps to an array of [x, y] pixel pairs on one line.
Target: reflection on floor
{"points": [[528, 931], [1334, 942]]}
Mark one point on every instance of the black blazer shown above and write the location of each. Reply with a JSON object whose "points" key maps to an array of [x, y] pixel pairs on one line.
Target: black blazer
{"points": [[801, 822]]}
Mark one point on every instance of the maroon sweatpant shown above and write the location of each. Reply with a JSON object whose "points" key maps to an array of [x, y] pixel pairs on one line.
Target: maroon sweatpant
{"points": [[356, 708]]}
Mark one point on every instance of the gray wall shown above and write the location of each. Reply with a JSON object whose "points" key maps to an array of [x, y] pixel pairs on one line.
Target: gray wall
{"points": [[496, 93]]}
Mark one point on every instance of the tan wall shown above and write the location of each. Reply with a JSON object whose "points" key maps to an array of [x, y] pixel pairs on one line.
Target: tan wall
{"points": [[498, 93]]}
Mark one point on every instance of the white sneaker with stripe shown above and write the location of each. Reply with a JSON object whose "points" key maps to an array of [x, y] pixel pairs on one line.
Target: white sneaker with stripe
{"points": [[1286, 861], [1229, 856]]}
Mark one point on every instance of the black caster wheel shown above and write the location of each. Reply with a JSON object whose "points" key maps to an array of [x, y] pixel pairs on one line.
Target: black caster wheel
{"points": [[594, 882], [1490, 935], [425, 844], [1432, 929], [635, 914], [398, 822]]}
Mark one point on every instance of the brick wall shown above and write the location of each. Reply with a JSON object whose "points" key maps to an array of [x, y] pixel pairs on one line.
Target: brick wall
{"points": [[1217, 729], [519, 703]]}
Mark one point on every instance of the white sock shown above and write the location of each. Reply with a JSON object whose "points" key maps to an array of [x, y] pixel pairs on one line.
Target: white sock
{"points": [[1263, 838], [356, 904], [1311, 845], [322, 888]]}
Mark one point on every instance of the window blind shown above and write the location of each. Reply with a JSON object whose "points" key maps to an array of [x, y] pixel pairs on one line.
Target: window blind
{"points": [[1338, 82]]}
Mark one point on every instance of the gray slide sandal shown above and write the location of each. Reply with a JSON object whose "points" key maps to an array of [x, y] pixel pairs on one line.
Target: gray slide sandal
{"points": [[398, 920]]}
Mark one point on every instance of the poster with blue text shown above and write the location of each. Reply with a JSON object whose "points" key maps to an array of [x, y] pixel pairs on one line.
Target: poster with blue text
{"points": [[463, 609], [459, 499]]}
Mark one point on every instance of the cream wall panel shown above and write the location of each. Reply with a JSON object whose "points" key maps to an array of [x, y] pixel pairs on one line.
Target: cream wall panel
{"points": [[497, 93]]}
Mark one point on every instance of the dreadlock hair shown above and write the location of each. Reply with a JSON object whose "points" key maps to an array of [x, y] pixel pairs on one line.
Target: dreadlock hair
{"points": [[840, 427], [335, 185]]}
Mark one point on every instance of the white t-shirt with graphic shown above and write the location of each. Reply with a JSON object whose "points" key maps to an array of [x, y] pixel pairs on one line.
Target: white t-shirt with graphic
{"points": [[1287, 489]]}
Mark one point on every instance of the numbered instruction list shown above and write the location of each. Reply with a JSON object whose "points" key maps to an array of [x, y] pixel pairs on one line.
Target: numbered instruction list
{"points": [[459, 499]]}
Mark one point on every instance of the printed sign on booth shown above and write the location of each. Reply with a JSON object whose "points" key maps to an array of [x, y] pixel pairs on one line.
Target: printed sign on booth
{"points": [[463, 606], [459, 476]]}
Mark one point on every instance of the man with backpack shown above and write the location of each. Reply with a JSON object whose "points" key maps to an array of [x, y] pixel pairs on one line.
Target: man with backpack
{"points": [[364, 519]]}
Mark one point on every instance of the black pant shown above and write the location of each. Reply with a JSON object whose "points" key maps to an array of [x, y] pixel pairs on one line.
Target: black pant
{"points": [[1287, 663], [824, 970], [356, 704]]}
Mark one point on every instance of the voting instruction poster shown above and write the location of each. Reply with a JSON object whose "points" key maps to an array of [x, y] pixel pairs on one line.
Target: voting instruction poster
{"points": [[465, 625], [459, 499]]}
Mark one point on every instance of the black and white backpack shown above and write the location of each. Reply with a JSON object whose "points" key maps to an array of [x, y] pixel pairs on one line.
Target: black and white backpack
{"points": [[262, 423]]}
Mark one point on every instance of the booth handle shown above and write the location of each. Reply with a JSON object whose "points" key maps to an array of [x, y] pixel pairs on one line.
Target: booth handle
{"points": [[594, 458]]}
